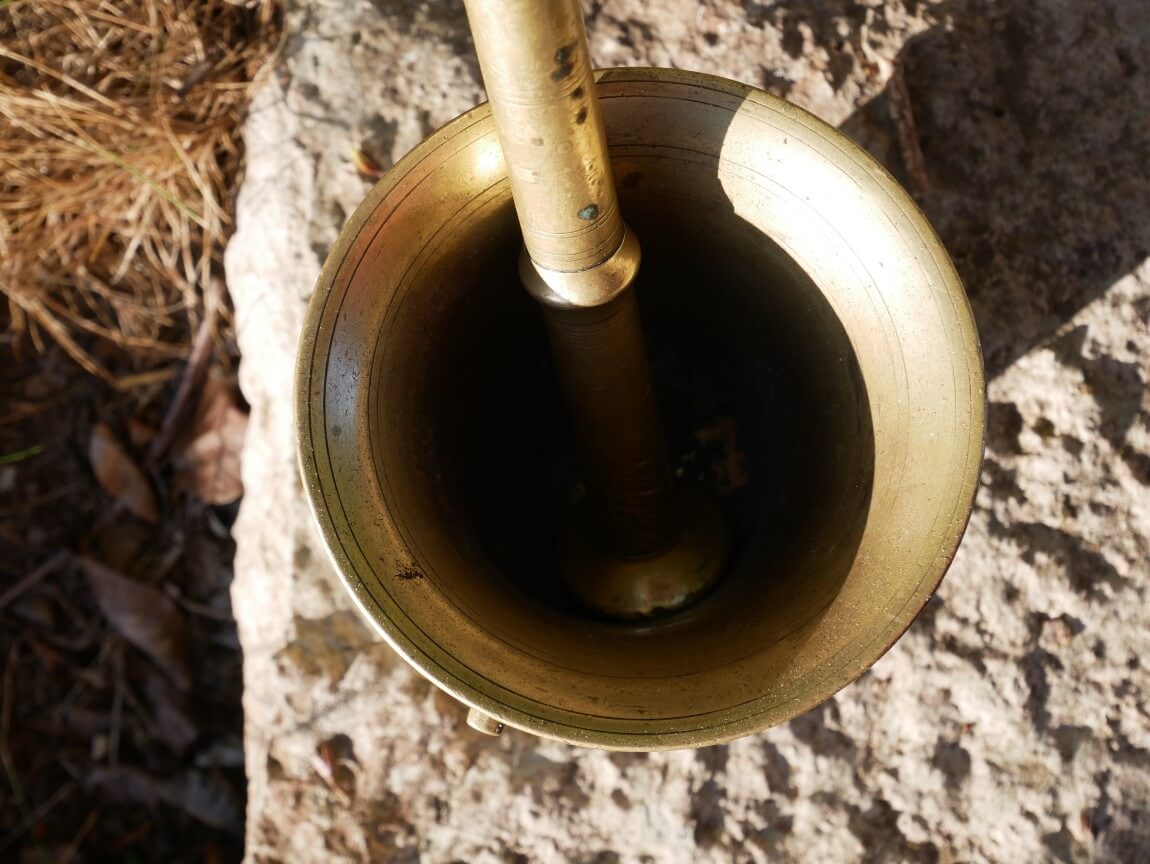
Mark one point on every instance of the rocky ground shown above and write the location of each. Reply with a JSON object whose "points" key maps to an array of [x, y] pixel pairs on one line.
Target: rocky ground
{"points": [[1010, 724]]}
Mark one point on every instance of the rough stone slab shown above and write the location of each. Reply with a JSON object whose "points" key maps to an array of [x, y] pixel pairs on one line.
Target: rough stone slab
{"points": [[1010, 724]]}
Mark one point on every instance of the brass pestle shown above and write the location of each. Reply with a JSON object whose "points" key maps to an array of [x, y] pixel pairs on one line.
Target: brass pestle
{"points": [[638, 546]]}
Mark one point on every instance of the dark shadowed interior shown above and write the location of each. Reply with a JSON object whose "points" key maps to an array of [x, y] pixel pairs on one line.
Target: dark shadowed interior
{"points": [[762, 403]]}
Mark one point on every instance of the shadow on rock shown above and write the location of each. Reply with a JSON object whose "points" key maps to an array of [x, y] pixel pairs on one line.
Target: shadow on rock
{"points": [[1031, 120]]}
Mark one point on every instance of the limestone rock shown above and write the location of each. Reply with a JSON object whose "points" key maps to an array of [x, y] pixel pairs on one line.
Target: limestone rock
{"points": [[1010, 724]]}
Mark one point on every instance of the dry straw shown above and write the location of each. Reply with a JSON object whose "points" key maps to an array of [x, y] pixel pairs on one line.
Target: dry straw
{"points": [[119, 124]]}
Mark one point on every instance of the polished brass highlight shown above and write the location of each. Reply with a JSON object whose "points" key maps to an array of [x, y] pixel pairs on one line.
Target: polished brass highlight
{"points": [[817, 369]]}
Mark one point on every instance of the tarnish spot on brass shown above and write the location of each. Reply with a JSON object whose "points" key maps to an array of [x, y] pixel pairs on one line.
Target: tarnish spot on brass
{"points": [[589, 212], [563, 62], [408, 573], [581, 117], [576, 94], [538, 142]]}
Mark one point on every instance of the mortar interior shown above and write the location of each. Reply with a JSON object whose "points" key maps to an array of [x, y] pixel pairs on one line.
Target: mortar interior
{"points": [[762, 403]]}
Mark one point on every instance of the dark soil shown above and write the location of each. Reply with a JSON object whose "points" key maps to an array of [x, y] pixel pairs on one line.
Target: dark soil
{"points": [[109, 753]]}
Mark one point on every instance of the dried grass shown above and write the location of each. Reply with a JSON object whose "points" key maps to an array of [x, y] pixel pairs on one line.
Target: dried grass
{"points": [[119, 124]]}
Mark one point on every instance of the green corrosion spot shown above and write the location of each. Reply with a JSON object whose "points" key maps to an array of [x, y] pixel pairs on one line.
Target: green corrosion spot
{"points": [[589, 212]]}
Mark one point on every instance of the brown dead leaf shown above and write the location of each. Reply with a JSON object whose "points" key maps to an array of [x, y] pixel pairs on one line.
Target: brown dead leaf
{"points": [[334, 761], [141, 434], [366, 166], [210, 461], [44, 854], [85, 723], [208, 797], [203, 795], [144, 616], [119, 476], [170, 722], [121, 784]]}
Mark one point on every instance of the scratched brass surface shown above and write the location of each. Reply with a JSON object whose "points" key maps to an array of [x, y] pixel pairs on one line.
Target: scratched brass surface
{"points": [[816, 365]]}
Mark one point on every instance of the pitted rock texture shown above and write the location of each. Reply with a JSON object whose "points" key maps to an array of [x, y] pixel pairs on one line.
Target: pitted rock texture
{"points": [[1010, 723]]}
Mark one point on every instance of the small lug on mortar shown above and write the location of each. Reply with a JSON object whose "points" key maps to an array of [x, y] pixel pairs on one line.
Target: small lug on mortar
{"points": [[484, 723]]}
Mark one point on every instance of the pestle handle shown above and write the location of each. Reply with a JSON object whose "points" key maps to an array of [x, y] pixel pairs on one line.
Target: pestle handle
{"points": [[537, 72]]}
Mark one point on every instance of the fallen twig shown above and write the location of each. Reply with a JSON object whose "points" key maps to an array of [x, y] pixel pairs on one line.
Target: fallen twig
{"points": [[902, 115], [194, 371], [32, 578], [69, 853], [37, 814]]}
